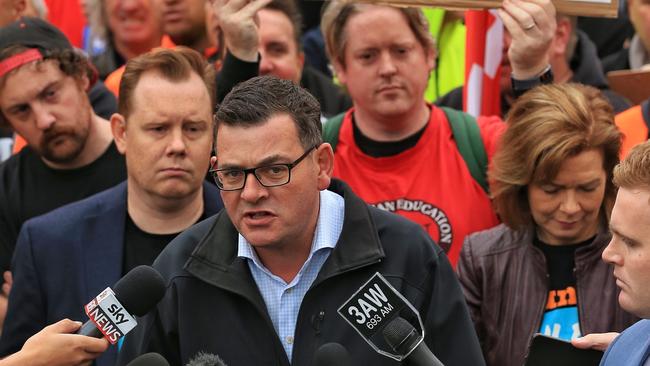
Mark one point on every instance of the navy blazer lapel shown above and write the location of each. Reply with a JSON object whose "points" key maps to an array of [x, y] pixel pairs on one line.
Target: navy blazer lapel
{"points": [[212, 202], [104, 241], [103, 237], [103, 244], [103, 247]]}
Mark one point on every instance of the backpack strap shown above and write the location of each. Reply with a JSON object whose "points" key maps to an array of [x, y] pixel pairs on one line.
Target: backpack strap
{"points": [[331, 129], [470, 144]]}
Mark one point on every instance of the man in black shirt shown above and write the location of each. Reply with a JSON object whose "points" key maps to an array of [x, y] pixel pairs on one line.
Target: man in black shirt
{"points": [[70, 153], [164, 128], [273, 42]]}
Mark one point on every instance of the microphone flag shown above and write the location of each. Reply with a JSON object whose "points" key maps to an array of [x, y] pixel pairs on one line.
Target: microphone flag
{"points": [[372, 307], [109, 316]]}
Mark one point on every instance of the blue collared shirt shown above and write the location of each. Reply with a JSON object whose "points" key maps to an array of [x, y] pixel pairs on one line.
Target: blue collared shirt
{"points": [[283, 300]]}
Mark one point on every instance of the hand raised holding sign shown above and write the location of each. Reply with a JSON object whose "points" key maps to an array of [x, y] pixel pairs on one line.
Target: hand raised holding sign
{"points": [[531, 24], [237, 19]]}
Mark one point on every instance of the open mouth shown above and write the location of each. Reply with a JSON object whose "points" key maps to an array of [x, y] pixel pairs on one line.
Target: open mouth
{"points": [[258, 215]]}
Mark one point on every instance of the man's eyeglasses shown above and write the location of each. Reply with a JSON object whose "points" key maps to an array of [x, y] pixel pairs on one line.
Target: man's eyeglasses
{"points": [[269, 175]]}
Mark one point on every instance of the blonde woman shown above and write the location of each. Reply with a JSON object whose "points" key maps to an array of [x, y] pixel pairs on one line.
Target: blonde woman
{"points": [[541, 270]]}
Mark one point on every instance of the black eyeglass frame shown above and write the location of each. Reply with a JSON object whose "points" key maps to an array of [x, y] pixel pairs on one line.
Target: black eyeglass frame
{"points": [[249, 171]]}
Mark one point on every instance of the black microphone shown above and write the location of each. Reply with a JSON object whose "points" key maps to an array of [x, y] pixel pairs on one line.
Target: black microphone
{"points": [[402, 337], [331, 354], [149, 359], [206, 359], [134, 294]]}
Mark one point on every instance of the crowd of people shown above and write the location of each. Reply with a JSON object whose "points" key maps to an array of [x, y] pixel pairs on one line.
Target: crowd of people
{"points": [[197, 137]]}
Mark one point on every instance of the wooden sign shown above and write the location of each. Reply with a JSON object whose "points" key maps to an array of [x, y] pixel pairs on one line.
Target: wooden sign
{"points": [[632, 84], [592, 8]]}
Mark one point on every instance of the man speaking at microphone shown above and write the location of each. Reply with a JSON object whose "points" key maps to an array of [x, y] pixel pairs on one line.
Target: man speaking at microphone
{"points": [[260, 283]]}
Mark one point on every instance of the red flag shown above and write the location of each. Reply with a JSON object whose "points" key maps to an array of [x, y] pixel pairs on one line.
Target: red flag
{"points": [[68, 16], [482, 63]]}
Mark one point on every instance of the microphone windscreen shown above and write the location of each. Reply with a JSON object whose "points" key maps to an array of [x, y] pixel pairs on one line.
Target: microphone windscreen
{"points": [[206, 359], [149, 359], [331, 354], [140, 290], [400, 335]]}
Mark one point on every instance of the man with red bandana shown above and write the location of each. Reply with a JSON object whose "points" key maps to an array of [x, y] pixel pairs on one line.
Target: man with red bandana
{"points": [[70, 153]]}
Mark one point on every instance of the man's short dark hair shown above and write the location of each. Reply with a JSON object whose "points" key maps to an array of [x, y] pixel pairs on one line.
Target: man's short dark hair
{"points": [[290, 10], [256, 100]]}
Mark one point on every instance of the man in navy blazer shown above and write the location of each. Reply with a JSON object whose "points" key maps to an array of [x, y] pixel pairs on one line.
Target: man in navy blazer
{"points": [[67, 257], [629, 253]]}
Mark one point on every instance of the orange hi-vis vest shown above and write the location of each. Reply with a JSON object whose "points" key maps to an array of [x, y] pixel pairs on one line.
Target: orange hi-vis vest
{"points": [[634, 123], [113, 79]]}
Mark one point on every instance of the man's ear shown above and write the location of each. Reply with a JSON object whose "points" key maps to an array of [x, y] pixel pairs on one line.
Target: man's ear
{"points": [[325, 162], [118, 127], [630, 4], [339, 70], [431, 54], [562, 37], [213, 162], [301, 60], [300, 65]]}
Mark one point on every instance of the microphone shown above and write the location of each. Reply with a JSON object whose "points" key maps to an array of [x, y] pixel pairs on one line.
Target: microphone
{"points": [[332, 354], [149, 359], [206, 359], [111, 312], [405, 340]]}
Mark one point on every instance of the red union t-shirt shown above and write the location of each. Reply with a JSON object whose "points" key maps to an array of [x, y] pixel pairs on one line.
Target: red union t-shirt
{"points": [[428, 183]]}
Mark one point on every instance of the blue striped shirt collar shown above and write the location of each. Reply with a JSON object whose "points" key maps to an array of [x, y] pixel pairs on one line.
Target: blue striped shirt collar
{"points": [[328, 229]]}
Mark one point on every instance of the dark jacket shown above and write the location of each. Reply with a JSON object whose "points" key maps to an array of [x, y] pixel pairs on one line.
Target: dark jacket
{"points": [[29, 188], [107, 61], [67, 257], [212, 303], [102, 100], [586, 70], [333, 100], [617, 61], [505, 281]]}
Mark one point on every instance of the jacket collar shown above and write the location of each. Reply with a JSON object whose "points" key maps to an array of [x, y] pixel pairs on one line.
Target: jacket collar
{"points": [[215, 260], [103, 237], [212, 202]]}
